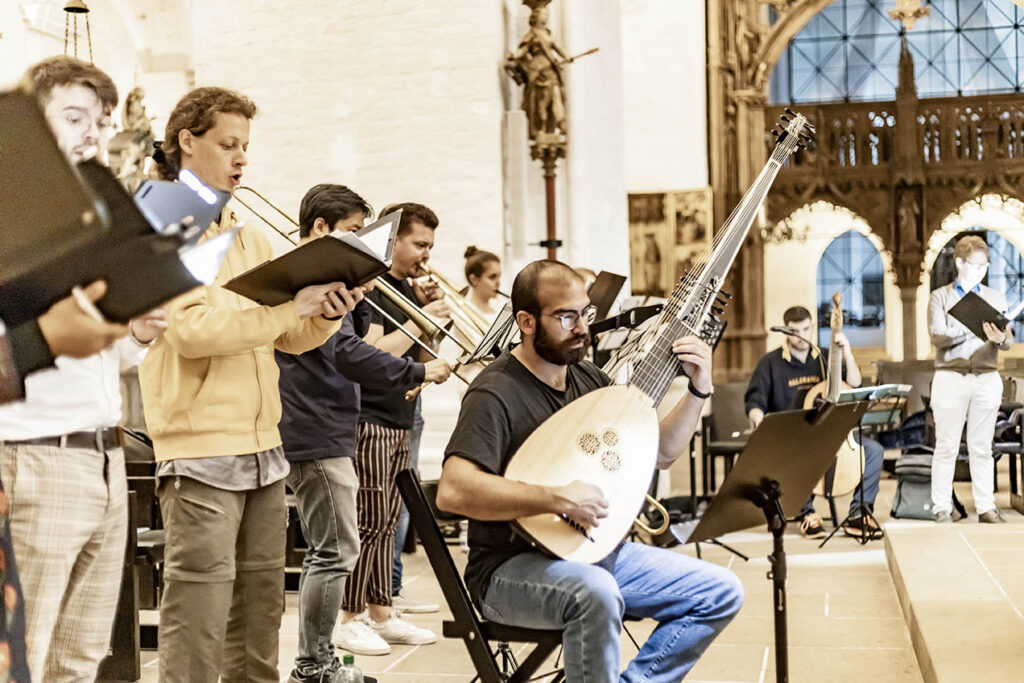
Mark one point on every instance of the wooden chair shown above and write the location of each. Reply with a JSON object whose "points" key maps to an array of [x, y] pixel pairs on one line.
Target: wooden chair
{"points": [[476, 633]]}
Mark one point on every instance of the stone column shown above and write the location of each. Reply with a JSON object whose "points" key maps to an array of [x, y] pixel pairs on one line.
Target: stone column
{"points": [[597, 231]]}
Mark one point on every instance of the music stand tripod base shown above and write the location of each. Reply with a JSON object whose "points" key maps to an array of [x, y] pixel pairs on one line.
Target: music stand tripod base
{"points": [[784, 459]]}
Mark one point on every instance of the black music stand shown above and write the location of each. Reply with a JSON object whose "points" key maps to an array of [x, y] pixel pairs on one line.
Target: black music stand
{"points": [[785, 457], [885, 404]]}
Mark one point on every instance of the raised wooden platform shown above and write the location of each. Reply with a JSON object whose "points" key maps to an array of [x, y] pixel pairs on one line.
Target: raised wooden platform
{"points": [[961, 589]]}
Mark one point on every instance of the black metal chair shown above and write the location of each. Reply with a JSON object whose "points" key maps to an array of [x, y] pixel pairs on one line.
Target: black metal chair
{"points": [[476, 633]]}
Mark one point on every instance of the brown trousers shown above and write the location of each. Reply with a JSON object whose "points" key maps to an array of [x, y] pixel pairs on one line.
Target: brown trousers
{"points": [[220, 614]]}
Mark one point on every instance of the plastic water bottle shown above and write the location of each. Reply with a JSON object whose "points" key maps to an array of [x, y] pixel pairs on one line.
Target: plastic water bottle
{"points": [[464, 536], [349, 672]]}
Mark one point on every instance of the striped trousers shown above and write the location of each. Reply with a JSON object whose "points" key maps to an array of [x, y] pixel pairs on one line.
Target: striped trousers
{"points": [[381, 453]]}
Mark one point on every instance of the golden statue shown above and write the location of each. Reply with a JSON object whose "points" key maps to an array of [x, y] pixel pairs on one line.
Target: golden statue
{"points": [[537, 64], [134, 144]]}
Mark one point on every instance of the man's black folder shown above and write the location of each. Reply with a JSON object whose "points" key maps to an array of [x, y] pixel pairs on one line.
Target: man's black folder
{"points": [[335, 257], [46, 210], [64, 227], [142, 268], [973, 311]]}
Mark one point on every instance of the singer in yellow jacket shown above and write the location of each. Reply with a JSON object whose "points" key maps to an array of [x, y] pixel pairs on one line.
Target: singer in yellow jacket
{"points": [[210, 395]]}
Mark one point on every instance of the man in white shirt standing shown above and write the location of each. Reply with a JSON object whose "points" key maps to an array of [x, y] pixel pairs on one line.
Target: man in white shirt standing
{"points": [[60, 454], [966, 387]]}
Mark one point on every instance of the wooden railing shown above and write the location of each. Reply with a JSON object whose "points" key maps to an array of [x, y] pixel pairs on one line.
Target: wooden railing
{"points": [[858, 139]]}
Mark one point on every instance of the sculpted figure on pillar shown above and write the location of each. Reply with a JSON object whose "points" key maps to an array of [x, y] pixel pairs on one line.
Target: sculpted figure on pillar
{"points": [[538, 64]]}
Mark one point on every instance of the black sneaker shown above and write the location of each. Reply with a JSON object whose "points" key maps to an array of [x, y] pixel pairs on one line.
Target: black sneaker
{"points": [[321, 676], [326, 675]]}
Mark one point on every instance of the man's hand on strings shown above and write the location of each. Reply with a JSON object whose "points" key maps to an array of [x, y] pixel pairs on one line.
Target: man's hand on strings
{"points": [[695, 355]]}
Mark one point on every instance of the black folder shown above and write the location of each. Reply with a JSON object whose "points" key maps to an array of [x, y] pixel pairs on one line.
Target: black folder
{"points": [[46, 210], [973, 311], [49, 247], [335, 257], [604, 291]]}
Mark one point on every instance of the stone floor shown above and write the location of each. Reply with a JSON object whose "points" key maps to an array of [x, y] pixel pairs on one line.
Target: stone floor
{"points": [[845, 619], [962, 592]]}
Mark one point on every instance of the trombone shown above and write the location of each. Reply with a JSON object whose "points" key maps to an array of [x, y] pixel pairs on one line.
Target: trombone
{"points": [[466, 319], [431, 329]]}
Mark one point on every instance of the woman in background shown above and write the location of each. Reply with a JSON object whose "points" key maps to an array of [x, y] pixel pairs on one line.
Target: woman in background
{"points": [[483, 273]]}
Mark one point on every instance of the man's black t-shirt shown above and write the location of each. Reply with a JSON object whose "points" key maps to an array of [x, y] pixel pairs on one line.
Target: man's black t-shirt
{"points": [[503, 406], [382, 406]]}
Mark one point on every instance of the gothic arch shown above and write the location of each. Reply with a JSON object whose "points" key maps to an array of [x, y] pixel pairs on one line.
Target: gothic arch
{"points": [[791, 266], [1005, 216]]}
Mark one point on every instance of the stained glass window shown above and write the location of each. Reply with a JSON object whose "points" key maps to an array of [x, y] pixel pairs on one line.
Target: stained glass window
{"points": [[850, 51], [852, 266]]}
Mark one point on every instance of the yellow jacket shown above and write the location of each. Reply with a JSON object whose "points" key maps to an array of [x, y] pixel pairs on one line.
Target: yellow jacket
{"points": [[209, 383]]}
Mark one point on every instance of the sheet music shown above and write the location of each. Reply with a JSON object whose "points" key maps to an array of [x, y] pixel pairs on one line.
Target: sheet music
{"points": [[502, 335], [203, 260], [350, 239], [378, 237]]}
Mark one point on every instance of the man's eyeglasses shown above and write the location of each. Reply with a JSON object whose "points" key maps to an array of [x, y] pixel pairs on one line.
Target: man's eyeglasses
{"points": [[569, 319], [80, 122]]}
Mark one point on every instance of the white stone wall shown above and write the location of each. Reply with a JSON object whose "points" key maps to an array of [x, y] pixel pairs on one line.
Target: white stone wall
{"points": [[397, 99], [26, 41], [664, 68]]}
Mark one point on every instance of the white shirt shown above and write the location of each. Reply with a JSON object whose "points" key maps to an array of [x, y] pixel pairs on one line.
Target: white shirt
{"points": [[77, 395]]}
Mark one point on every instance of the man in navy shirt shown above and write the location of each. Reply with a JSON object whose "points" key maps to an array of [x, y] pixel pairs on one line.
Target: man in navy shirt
{"points": [[781, 381], [320, 394]]}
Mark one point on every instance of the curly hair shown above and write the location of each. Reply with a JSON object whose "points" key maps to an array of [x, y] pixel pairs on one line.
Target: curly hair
{"points": [[197, 112], [42, 77]]}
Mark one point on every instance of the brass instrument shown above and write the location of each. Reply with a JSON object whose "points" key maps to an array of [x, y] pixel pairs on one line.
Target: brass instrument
{"points": [[432, 330], [466, 319]]}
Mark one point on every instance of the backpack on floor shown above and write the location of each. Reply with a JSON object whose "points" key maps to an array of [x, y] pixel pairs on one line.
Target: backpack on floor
{"points": [[913, 499]]}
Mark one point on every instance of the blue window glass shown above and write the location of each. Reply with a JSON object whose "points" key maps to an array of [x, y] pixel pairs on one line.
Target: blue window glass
{"points": [[1005, 271], [852, 266], [850, 51]]}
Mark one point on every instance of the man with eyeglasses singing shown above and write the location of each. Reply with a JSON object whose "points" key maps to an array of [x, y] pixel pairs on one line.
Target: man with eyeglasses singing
{"points": [[60, 450], [966, 386], [509, 579]]}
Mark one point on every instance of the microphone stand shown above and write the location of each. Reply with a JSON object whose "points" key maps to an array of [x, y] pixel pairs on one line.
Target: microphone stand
{"points": [[866, 532]]}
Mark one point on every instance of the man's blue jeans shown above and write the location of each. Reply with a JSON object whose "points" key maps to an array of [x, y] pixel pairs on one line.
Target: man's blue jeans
{"points": [[402, 528], [874, 456], [692, 600], [325, 495]]}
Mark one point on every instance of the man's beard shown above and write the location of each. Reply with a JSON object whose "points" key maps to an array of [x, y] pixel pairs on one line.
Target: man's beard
{"points": [[560, 354]]}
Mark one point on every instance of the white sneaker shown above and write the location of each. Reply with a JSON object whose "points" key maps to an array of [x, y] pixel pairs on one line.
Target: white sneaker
{"points": [[398, 631], [356, 636], [413, 605]]}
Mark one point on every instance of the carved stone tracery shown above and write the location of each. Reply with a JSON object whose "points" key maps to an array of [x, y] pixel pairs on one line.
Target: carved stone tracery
{"points": [[902, 165]]}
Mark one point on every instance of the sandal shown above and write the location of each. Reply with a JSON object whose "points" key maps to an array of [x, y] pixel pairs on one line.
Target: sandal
{"points": [[811, 525]]}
